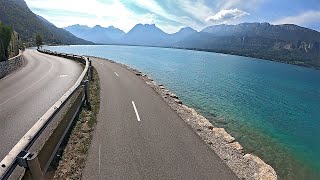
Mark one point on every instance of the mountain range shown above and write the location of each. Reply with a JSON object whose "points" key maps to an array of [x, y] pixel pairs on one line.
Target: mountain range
{"points": [[16, 13], [140, 34], [287, 43]]}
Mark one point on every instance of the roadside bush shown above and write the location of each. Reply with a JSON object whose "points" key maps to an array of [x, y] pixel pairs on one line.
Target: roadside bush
{"points": [[5, 37]]}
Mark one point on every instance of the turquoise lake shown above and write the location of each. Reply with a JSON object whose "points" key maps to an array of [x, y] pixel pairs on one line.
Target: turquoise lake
{"points": [[272, 109]]}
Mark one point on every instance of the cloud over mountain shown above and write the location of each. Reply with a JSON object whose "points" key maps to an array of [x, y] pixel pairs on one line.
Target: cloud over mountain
{"points": [[225, 15]]}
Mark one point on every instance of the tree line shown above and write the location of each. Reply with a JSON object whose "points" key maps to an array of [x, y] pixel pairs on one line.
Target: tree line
{"points": [[10, 42]]}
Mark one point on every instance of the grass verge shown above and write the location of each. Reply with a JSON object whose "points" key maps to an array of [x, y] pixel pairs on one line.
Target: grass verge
{"points": [[77, 146]]}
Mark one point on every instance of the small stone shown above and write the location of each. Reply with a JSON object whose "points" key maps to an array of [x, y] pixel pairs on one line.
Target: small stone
{"points": [[210, 127], [222, 133], [236, 146], [173, 95], [178, 101]]}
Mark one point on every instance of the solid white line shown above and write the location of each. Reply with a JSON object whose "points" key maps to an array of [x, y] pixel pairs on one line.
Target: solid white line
{"points": [[135, 110], [116, 74], [99, 158], [29, 86]]}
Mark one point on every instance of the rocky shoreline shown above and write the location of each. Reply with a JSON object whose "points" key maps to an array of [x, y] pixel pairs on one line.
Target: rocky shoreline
{"points": [[245, 166]]}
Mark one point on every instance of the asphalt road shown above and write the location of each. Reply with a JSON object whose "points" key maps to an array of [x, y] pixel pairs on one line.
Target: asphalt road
{"points": [[28, 93], [138, 136]]}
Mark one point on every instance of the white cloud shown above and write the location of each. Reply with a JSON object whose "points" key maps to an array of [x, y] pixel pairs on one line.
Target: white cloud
{"points": [[196, 9], [231, 4], [225, 15], [301, 19], [155, 8]]}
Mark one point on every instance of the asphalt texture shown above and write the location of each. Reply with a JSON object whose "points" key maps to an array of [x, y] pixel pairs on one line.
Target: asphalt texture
{"points": [[138, 136], [26, 94]]}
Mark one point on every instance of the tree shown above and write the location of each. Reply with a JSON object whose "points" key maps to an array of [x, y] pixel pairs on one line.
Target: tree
{"points": [[5, 37], [38, 40]]}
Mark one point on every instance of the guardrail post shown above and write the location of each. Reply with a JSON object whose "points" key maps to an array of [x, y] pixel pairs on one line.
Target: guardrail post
{"points": [[31, 163], [90, 70], [87, 104]]}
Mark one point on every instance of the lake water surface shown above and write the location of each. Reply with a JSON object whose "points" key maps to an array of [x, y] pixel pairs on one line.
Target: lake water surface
{"points": [[272, 109]]}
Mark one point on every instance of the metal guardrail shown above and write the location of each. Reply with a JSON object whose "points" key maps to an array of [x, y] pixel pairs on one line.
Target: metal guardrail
{"points": [[36, 164]]}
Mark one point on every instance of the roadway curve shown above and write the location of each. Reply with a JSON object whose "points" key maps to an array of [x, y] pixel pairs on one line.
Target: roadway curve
{"points": [[155, 144], [28, 93]]}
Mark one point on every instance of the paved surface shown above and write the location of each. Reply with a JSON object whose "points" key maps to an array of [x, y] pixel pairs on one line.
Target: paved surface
{"points": [[159, 146], [29, 92]]}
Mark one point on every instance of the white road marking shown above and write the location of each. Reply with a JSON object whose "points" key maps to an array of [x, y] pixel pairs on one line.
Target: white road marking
{"points": [[99, 158], [29, 86], [63, 75], [116, 74], [135, 110]]}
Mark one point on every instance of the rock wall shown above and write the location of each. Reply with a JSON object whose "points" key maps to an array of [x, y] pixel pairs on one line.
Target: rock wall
{"points": [[10, 65]]}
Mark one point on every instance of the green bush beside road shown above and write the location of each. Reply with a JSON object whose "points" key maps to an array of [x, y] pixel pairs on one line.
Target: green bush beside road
{"points": [[5, 38]]}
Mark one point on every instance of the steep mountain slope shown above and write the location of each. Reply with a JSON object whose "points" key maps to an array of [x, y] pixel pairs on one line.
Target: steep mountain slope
{"points": [[16, 13], [97, 34], [286, 32], [286, 43]]}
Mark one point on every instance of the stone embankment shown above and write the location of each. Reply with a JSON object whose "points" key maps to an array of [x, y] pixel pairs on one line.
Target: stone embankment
{"points": [[10, 65], [245, 166]]}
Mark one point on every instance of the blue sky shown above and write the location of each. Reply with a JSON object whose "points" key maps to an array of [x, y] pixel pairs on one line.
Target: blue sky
{"points": [[171, 15]]}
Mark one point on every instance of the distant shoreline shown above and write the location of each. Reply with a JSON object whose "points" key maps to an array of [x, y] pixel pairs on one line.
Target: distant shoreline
{"points": [[296, 63]]}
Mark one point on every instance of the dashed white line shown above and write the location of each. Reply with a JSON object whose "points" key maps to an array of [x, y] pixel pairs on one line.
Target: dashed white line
{"points": [[63, 75], [135, 110], [116, 74], [99, 158]]}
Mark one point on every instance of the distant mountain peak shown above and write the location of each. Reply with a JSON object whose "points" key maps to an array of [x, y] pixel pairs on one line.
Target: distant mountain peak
{"points": [[98, 27], [187, 29], [146, 28], [97, 34], [77, 26]]}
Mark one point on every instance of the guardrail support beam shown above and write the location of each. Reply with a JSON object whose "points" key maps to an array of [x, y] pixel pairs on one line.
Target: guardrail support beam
{"points": [[32, 165]]}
